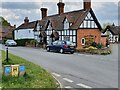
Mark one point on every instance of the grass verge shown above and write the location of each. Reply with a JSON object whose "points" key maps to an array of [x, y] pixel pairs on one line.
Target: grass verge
{"points": [[36, 76]]}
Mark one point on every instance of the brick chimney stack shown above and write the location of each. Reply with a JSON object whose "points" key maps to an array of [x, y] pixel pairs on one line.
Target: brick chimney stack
{"points": [[87, 4], [26, 20], [44, 12], [60, 7]]}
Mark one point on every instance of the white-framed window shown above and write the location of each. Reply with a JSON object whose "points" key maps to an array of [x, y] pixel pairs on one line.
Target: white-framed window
{"points": [[83, 41]]}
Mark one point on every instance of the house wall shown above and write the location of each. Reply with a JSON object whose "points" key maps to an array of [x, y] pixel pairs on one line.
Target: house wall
{"points": [[81, 33], [24, 34], [103, 41]]}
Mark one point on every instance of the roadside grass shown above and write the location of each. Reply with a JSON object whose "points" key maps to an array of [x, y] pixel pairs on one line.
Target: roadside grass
{"points": [[36, 77]]}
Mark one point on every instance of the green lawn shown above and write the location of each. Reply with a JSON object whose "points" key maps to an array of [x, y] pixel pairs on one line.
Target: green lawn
{"points": [[36, 76]]}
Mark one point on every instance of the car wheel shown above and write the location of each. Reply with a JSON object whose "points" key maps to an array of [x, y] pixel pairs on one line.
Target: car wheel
{"points": [[48, 49], [61, 50]]}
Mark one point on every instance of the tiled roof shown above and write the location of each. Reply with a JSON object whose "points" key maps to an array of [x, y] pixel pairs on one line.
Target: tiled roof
{"points": [[74, 17], [115, 30], [57, 21], [5, 29], [30, 25]]}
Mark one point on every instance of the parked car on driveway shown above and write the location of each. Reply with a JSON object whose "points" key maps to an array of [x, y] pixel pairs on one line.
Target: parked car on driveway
{"points": [[10, 43], [61, 46]]}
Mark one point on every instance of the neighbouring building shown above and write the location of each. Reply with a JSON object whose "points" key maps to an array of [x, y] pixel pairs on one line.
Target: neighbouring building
{"points": [[6, 32], [80, 26], [113, 33], [25, 30]]}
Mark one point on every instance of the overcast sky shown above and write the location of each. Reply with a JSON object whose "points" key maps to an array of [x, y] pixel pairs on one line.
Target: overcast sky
{"points": [[16, 10]]}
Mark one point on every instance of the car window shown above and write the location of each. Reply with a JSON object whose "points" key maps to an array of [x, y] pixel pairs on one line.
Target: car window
{"points": [[69, 43], [59, 42], [10, 41], [55, 43], [63, 42]]}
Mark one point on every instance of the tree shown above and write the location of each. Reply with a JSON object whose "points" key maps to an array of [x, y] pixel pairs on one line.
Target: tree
{"points": [[105, 25], [4, 22]]}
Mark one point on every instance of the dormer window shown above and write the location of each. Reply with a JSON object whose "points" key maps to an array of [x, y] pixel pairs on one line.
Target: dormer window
{"points": [[38, 27], [66, 24], [50, 26]]}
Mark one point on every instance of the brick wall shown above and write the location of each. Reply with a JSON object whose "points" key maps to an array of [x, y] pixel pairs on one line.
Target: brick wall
{"points": [[81, 33], [103, 41]]}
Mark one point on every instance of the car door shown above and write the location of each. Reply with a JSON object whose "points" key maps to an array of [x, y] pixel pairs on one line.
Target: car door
{"points": [[58, 46], [54, 45]]}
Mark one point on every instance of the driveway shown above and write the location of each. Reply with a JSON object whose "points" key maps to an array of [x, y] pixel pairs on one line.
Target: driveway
{"points": [[75, 70]]}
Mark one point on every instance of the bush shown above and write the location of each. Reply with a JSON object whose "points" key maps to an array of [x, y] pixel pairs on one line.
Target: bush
{"points": [[99, 46], [94, 44]]}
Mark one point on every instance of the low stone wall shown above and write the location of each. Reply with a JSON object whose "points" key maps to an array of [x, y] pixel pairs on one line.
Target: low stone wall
{"points": [[105, 51]]}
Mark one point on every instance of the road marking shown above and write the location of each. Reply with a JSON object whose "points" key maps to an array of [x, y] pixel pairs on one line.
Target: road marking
{"points": [[56, 74], [68, 80], [68, 87], [83, 85]]}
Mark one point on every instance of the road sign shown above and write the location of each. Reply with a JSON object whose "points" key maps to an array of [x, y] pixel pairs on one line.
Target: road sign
{"points": [[15, 70], [7, 70], [22, 70]]}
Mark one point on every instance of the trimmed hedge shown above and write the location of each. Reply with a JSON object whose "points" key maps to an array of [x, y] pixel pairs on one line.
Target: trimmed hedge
{"points": [[22, 42]]}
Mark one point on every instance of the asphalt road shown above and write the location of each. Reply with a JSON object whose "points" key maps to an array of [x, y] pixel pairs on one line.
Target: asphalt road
{"points": [[75, 70]]}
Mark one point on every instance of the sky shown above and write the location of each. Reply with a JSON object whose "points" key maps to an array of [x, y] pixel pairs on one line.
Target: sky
{"points": [[15, 11]]}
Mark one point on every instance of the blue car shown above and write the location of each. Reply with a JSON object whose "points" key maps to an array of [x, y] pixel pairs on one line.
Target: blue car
{"points": [[61, 46]]}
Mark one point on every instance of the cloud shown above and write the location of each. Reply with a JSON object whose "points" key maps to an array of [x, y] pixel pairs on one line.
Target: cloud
{"points": [[70, 6], [19, 5], [106, 12], [15, 12], [16, 16], [57, 0]]}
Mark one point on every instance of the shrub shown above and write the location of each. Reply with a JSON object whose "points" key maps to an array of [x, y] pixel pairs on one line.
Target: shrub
{"points": [[85, 46], [94, 44], [99, 46]]}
